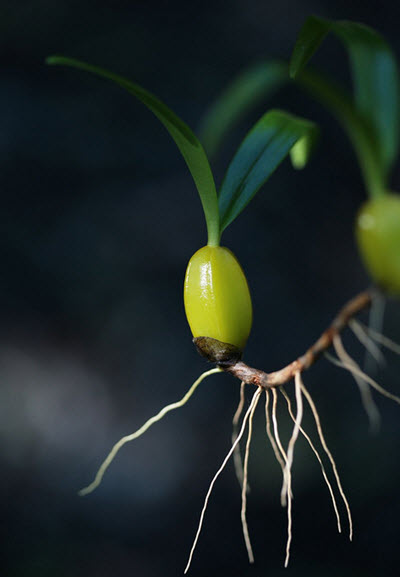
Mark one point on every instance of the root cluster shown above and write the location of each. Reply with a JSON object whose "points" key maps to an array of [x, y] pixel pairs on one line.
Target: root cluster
{"points": [[271, 384]]}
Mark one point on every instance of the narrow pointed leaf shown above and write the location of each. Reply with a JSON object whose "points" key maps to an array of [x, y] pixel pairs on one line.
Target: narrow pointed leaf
{"points": [[263, 149], [188, 144], [254, 85], [375, 77], [309, 39]]}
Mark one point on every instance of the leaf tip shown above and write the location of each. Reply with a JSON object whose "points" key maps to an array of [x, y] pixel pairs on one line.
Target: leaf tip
{"points": [[303, 149], [294, 69], [49, 60], [53, 60]]}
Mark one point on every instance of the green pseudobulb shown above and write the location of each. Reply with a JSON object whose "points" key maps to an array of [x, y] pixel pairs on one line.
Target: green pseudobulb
{"points": [[217, 298], [378, 237]]}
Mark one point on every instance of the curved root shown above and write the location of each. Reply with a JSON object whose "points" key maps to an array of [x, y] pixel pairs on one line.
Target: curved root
{"points": [[111, 456]]}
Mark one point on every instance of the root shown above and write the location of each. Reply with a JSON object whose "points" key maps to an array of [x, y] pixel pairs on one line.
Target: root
{"points": [[253, 403], [287, 479], [375, 321], [244, 486], [293, 439], [110, 457], [237, 458], [367, 341], [330, 457], [355, 369], [318, 456], [282, 458], [269, 433], [381, 339], [278, 441], [367, 400]]}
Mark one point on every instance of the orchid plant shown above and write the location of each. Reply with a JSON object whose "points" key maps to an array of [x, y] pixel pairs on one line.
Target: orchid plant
{"points": [[216, 293]]}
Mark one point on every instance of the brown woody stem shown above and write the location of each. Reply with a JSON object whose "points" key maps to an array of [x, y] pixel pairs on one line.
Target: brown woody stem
{"points": [[268, 380]]}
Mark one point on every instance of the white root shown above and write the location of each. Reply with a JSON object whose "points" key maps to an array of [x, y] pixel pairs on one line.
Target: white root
{"points": [[330, 457], [278, 440], [379, 338], [367, 341], [254, 401], [237, 457], [367, 400], [269, 433], [355, 369], [287, 478], [318, 456], [110, 457], [375, 321], [244, 487]]}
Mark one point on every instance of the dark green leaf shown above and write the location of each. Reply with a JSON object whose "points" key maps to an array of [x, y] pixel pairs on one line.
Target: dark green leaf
{"points": [[189, 145], [251, 87], [265, 146], [375, 77], [311, 34]]}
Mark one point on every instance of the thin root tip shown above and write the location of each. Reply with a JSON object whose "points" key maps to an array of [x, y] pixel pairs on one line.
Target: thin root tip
{"points": [[85, 491]]}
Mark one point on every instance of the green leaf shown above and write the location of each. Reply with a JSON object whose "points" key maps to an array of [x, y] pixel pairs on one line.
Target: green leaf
{"points": [[251, 87], [263, 149], [311, 35], [360, 133], [188, 144], [375, 77]]}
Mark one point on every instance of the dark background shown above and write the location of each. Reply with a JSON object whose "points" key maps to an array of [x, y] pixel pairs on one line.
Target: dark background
{"points": [[99, 218]]}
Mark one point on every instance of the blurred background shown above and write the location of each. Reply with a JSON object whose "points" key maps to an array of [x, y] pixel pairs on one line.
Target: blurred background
{"points": [[99, 218]]}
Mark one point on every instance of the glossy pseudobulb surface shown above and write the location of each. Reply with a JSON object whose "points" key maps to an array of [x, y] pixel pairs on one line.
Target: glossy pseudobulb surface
{"points": [[217, 297], [378, 237]]}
